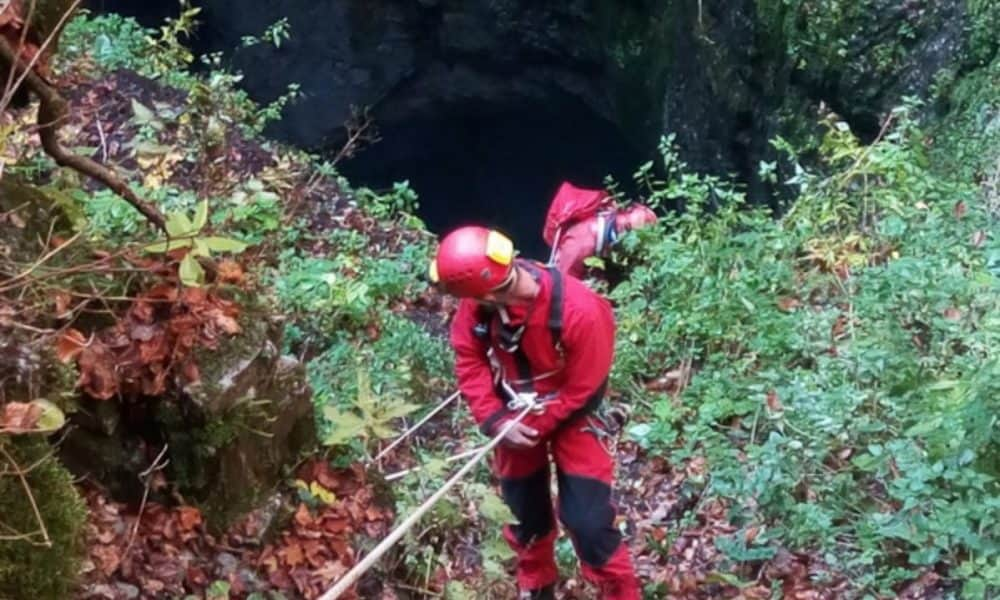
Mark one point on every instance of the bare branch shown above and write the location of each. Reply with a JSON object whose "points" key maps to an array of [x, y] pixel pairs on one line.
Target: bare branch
{"points": [[147, 478], [31, 498], [53, 112]]}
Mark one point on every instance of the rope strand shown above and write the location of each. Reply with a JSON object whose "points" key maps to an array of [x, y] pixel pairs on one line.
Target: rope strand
{"points": [[351, 576]]}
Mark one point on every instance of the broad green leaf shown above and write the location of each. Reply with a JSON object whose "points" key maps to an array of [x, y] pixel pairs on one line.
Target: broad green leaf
{"points": [[200, 215], [381, 430], [399, 410], [494, 509], [178, 225], [143, 114], [347, 426], [200, 247], [52, 416], [222, 244], [151, 149], [168, 245], [191, 273], [365, 400], [456, 590], [924, 427]]}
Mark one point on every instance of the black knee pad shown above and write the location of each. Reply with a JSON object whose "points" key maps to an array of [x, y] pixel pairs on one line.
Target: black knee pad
{"points": [[586, 511], [530, 501]]}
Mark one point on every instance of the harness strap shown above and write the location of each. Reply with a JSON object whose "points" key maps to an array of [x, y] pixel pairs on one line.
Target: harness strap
{"points": [[525, 380], [556, 308]]}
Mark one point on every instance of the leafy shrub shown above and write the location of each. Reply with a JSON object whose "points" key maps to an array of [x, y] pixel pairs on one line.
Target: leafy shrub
{"points": [[377, 379], [845, 357]]}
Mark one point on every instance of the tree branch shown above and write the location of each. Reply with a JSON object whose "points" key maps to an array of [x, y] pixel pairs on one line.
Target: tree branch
{"points": [[53, 112]]}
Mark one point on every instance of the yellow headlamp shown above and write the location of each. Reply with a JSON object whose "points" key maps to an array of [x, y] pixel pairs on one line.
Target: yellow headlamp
{"points": [[499, 248]]}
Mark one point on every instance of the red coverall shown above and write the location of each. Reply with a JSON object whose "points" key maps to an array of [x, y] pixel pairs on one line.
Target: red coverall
{"points": [[584, 465], [579, 241]]}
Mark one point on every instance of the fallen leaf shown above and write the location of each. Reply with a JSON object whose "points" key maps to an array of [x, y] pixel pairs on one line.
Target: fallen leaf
{"points": [[302, 516], [191, 372], [97, 372], [62, 301], [959, 210], [20, 416], [788, 303], [189, 517], [838, 328], [70, 344], [292, 554], [230, 271], [952, 314], [978, 238], [227, 324]]}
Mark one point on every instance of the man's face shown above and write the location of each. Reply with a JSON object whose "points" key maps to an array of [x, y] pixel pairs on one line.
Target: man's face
{"points": [[503, 295], [638, 217]]}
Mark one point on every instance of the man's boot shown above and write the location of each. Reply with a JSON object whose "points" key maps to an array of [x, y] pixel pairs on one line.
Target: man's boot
{"points": [[546, 593]]}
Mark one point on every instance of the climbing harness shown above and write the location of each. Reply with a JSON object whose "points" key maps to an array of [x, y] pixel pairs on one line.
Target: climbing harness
{"points": [[598, 427], [520, 400]]}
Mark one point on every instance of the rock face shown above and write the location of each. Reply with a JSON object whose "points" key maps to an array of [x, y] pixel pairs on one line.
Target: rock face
{"points": [[488, 85], [228, 438]]}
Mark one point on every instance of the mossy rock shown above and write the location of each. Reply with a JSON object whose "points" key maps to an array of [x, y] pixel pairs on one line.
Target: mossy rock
{"points": [[30, 570], [31, 215], [233, 434]]}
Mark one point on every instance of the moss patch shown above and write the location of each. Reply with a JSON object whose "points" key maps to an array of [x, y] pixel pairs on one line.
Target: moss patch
{"points": [[26, 568]]}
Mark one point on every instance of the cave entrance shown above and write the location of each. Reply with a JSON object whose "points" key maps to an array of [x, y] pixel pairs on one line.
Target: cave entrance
{"points": [[495, 165]]}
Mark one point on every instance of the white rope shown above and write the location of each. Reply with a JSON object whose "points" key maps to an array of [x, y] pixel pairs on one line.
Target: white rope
{"points": [[426, 418], [450, 459], [351, 576]]}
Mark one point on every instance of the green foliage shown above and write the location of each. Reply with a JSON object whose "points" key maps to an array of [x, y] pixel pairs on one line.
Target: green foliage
{"points": [[110, 40], [847, 374], [275, 34], [115, 42], [49, 572], [405, 363], [983, 24], [183, 232], [327, 294], [213, 100], [373, 418], [252, 213], [971, 125], [402, 199]]}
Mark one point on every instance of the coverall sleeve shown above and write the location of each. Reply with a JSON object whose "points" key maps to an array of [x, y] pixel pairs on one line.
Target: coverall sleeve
{"points": [[472, 370], [588, 339], [575, 245]]}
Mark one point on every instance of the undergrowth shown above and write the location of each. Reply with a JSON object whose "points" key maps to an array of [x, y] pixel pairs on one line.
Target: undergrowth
{"points": [[845, 357]]}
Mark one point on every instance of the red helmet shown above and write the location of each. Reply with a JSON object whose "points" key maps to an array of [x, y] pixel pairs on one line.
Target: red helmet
{"points": [[472, 261]]}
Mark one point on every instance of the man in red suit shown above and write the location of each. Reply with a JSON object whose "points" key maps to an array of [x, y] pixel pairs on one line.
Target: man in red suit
{"points": [[587, 222], [523, 331]]}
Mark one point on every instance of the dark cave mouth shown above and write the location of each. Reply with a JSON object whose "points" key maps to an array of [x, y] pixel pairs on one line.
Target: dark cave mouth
{"points": [[495, 165]]}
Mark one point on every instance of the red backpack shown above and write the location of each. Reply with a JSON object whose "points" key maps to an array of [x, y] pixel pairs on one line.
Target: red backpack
{"points": [[572, 204]]}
